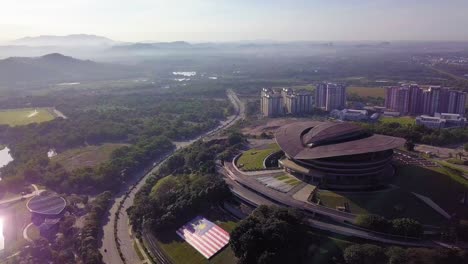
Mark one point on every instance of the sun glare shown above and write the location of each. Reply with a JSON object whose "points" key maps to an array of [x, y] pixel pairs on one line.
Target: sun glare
{"points": [[2, 239]]}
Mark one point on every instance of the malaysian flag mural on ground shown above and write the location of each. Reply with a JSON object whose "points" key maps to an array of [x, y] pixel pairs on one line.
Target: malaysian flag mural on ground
{"points": [[206, 237]]}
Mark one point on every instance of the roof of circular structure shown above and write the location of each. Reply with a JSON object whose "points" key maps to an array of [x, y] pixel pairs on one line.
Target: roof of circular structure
{"points": [[315, 140], [46, 204]]}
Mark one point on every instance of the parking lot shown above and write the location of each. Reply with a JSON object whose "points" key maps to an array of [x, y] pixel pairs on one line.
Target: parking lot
{"points": [[409, 159]]}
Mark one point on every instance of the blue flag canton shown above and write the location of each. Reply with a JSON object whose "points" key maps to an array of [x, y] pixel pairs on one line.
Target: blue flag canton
{"points": [[201, 225]]}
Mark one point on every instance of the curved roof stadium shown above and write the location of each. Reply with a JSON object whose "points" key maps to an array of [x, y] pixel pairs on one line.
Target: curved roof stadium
{"points": [[316, 140], [46, 204], [337, 155]]}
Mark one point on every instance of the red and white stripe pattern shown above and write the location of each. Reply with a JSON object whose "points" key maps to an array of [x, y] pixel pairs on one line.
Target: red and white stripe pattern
{"points": [[206, 237]]}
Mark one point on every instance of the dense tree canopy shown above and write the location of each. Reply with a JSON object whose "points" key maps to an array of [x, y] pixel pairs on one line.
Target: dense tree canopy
{"points": [[366, 253], [270, 235], [420, 134], [174, 200], [147, 120], [400, 226], [192, 185]]}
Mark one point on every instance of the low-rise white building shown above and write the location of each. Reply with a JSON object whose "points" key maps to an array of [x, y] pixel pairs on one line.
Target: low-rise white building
{"points": [[350, 114], [391, 113], [441, 120]]}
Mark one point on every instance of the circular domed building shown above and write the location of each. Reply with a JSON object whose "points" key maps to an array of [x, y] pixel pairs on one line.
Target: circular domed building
{"points": [[337, 155]]}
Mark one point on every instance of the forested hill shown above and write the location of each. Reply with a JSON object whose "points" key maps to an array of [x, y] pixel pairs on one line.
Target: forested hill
{"points": [[147, 121], [56, 68]]}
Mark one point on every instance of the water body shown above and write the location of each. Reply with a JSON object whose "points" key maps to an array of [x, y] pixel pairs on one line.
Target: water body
{"points": [[5, 157], [186, 74], [182, 79], [68, 84]]}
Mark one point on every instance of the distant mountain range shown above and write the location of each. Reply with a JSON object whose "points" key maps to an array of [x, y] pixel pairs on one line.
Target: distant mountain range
{"points": [[56, 68], [69, 40], [156, 45]]}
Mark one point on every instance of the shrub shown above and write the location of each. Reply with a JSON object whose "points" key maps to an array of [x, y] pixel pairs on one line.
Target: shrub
{"points": [[374, 222], [364, 254], [407, 227]]}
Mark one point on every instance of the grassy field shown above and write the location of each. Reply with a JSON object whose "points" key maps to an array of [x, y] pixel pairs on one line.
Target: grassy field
{"points": [[309, 87], [367, 91], [180, 252], [19, 117], [33, 232], [437, 184], [253, 159], [394, 203], [15, 218], [403, 120], [89, 156]]}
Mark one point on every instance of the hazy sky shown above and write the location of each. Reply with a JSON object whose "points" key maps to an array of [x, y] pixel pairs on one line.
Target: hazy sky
{"points": [[223, 20]]}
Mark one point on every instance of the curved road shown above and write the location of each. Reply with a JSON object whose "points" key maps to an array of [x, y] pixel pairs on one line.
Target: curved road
{"points": [[108, 246]]}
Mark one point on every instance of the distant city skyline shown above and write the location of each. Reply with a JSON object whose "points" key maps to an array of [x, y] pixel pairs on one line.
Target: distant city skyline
{"points": [[209, 20]]}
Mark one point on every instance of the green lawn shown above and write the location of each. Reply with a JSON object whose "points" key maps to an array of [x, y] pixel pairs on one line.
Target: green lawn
{"points": [[24, 116], [89, 156], [367, 91], [180, 252], [404, 120], [443, 188], [288, 179], [455, 172], [253, 159], [394, 203]]}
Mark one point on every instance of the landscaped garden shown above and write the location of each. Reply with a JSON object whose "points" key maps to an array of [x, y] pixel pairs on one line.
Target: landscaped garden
{"points": [[253, 159], [288, 179], [444, 187], [392, 203]]}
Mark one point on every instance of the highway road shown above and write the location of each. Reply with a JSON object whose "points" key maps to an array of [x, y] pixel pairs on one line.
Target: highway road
{"points": [[108, 246]]}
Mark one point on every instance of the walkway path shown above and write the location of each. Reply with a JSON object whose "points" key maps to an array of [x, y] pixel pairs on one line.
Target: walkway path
{"points": [[25, 233], [432, 204], [20, 197], [58, 113]]}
